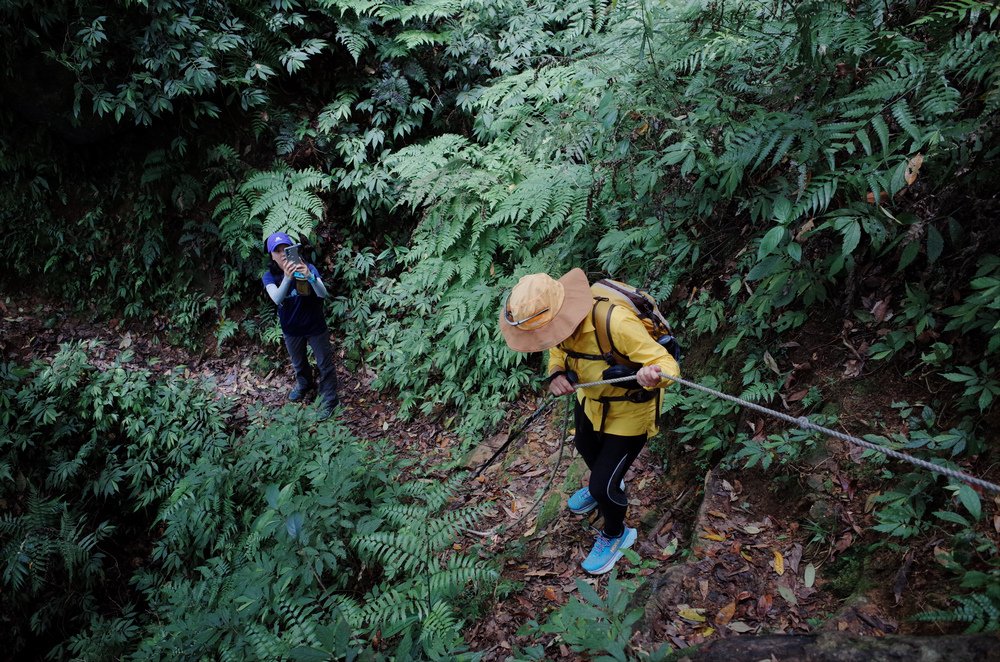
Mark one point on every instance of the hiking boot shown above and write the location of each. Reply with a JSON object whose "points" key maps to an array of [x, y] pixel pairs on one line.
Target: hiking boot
{"points": [[582, 502], [327, 410], [299, 393], [607, 551]]}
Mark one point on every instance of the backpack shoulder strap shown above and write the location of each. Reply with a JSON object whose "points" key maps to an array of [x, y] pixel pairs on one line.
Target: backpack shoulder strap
{"points": [[603, 356], [602, 313]]}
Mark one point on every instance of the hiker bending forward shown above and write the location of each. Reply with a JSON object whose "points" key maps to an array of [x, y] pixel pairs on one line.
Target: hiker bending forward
{"points": [[612, 423]]}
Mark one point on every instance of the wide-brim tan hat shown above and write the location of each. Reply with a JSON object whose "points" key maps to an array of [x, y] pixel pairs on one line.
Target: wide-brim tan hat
{"points": [[541, 312]]}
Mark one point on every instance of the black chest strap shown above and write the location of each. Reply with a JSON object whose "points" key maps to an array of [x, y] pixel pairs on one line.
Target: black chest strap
{"points": [[587, 357]]}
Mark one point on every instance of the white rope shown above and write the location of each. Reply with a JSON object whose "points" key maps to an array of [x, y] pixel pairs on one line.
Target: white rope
{"points": [[806, 424]]}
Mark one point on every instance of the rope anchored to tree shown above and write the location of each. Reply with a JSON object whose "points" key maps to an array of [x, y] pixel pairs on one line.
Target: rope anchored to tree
{"points": [[806, 424]]}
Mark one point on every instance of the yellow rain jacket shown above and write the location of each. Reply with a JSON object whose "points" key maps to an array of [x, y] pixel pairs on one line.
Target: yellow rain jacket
{"points": [[631, 339]]}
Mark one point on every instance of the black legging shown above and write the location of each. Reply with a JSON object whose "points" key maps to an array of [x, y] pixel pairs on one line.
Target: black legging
{"points": [[608, 457]]}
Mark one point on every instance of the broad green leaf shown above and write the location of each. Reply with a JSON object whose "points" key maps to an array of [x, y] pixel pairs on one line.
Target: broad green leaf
{"points": [[795, 251], [588, 593], [767, 267], [935, 244], [308, 654], [852, 236], [271, 494], [949, 516], [771, 241], [970, 500], [782, 210], [909, 253], [294, 525], [689, 164]]}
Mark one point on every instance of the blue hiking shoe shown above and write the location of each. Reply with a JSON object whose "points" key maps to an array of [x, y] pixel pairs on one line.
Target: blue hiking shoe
{"points": [[607, 551], [581, 502]]}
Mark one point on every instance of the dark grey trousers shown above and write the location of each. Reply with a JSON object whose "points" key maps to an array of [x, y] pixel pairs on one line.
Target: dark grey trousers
{"points": [[324, 361]]}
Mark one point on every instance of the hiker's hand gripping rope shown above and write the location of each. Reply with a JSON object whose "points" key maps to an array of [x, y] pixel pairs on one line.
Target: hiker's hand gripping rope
{"points": [[560, 385], [806, 424], [649, 376]]}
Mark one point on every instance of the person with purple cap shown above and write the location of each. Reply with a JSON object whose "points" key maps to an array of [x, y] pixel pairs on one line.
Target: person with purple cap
{"points": [[298, 291]]}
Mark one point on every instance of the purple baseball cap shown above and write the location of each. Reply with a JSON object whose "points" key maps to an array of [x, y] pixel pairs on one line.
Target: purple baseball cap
{"points": [[277, 239]]}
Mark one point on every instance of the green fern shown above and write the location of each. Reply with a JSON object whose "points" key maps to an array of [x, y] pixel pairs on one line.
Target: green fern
{"points": [[354, 40], [979, 611], [270, 201]]}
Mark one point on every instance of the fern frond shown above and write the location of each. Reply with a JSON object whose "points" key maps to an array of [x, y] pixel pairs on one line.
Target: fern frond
{"points": [[980, 611]]}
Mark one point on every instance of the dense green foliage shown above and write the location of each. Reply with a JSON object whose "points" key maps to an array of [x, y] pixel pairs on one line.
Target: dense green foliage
{"points": [[769, 170], [628, 138], [641, 163], [594, 625], [136, 526]]}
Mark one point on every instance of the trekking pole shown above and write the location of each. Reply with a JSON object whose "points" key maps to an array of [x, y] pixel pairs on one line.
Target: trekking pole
{"points": [[548, 483], [804, 423], [542, 408]]}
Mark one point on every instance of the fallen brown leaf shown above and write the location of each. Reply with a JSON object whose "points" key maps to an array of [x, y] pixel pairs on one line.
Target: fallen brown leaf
{"points": [[793, 557], [798, 395], [726, 614], [912, 168], [899, 585]]}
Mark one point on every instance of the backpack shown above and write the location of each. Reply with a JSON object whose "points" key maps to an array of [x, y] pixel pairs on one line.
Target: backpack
{"points": [[609, 294], [613, 293]]}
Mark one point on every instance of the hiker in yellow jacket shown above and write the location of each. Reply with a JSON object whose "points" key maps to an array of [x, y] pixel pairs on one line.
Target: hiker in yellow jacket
{"points": [[612, 423]]}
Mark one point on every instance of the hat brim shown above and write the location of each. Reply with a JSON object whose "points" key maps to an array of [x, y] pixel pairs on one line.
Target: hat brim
{"points": [[577, 302]]}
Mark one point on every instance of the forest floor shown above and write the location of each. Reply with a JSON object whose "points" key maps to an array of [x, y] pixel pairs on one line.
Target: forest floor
{"points": [[725, 552]]}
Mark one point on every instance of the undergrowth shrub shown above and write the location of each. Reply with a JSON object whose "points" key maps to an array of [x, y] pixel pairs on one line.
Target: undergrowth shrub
{"points": [[85, 458], [598, 627], [180, 537]]}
